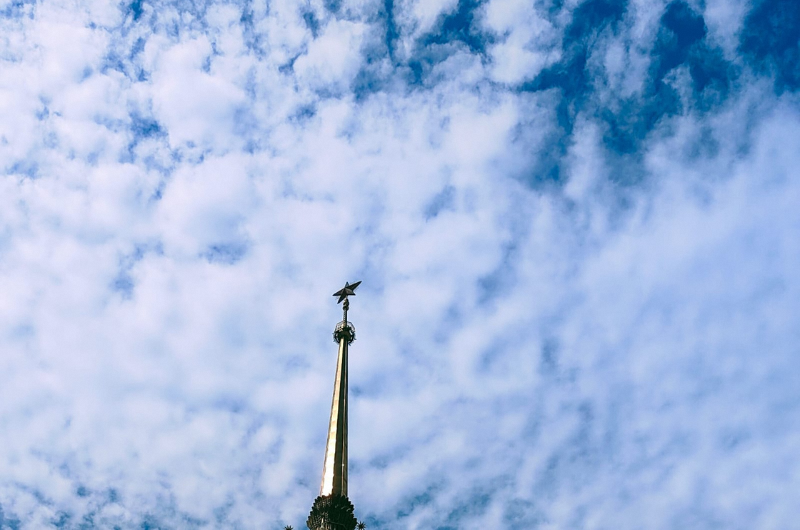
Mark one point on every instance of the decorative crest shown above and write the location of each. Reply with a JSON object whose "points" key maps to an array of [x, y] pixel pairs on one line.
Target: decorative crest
{"points": [[348, 290]]}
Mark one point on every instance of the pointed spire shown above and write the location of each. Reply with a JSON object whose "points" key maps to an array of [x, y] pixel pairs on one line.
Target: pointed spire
{"points": [[332, 507], [334, 469]]}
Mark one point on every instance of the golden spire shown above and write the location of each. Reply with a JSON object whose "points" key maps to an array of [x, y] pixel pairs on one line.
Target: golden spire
{"points": [[332, 509], [334, 469]]}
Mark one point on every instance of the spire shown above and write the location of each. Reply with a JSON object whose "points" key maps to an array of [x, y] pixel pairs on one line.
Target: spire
{"points": [[334, 469], [332, 509]]}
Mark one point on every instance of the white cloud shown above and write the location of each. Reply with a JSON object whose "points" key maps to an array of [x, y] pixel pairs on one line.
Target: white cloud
{"points": [[196, 106], [585, 354], [426, 13], [333, 58], [528, 41], [724, 21]]}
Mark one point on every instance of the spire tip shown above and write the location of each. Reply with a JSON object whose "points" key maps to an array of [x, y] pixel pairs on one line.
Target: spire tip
{"points": [[349, 289]]}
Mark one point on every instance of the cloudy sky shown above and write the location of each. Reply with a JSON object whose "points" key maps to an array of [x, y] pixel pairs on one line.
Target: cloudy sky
{"points": [[577, 223]]}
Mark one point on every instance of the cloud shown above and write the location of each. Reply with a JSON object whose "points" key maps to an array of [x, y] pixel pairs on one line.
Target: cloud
{"points": [[576, 225], [332, 59]]}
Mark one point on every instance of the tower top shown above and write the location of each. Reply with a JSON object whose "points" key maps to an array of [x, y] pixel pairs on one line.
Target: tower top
{"points": [[349, 289]]}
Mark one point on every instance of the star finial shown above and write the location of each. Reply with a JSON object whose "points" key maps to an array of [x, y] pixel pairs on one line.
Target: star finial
{"points": [[348, 290]]}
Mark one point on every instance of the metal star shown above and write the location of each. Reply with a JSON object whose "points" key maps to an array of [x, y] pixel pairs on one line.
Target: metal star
{"points": [[348, 290]]}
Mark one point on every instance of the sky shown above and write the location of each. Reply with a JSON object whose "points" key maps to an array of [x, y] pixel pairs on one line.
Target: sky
{"points": [[576, 223]]}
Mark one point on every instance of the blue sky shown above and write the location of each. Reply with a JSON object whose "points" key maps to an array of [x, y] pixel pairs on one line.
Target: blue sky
{"points": [[576, 222]]}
